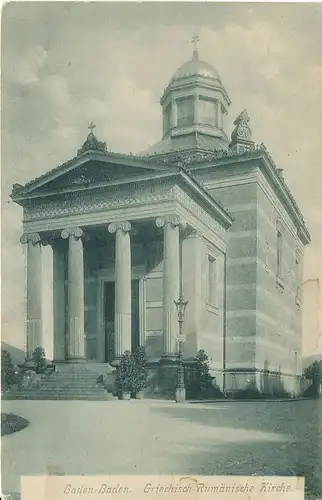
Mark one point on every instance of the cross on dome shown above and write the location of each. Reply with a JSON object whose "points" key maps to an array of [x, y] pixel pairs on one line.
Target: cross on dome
{"points": [[195, 39], [91, 127]]}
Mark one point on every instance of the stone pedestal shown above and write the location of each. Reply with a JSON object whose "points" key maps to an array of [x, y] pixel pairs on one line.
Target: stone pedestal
{"points": [[167, 377], [180, 395], [76, 340], [123, 296], [34, 292]]}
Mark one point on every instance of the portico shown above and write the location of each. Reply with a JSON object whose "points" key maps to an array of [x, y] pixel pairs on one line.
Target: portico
{"points": [[117, 268]]}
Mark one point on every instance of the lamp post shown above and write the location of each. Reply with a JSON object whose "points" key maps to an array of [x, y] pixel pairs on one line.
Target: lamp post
{"points": [[180, 390]]}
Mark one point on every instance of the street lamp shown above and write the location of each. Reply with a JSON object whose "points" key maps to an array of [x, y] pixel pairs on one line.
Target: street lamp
{"points": [[181, 309]]}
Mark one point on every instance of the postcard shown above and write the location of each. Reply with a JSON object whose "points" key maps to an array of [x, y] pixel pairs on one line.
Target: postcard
{"points": [[161, 250]]}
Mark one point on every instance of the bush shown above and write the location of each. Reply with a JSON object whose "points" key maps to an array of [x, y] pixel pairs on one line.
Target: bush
{"points": [[12, 423], [125, 376], [39, 358], [140, 369], [9, 376], [199, 382]]}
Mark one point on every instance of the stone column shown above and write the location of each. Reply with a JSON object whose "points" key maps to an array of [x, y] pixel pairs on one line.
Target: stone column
{"points": [[76, 341], [196, 109], [171, 282], [34, 292], [123, 294], [59, 301], [174, 113]]}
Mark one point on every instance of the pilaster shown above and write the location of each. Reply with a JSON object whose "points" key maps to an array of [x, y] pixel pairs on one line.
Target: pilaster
{"points": [[174, 113]]}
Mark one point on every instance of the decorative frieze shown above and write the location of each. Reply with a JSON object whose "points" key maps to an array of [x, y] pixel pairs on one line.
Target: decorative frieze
{"points": [[193, 207], [80, 203]]}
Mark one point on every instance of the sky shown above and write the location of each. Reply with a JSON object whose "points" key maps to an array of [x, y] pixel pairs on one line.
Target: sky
{"points": [[65, 64]]}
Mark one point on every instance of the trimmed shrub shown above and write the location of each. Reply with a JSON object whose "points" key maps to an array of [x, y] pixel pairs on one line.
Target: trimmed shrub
{"points": [[140, 369], [125, 376], [39, 358], [199, 382], [12, 423]]}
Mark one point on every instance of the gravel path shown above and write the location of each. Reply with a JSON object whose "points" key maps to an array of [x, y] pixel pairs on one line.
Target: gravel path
{"points": [[157, 437]]}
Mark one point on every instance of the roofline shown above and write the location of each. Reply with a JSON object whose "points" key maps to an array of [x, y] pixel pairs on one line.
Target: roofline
{"points": [[267, 163], [118, 158], [171, 172]]}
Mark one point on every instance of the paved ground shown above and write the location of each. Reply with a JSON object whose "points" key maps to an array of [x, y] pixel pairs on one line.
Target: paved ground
{"points": [[151, 437]]}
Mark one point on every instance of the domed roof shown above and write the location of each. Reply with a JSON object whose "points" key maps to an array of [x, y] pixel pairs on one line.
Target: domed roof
{"points": [[195, 67]]}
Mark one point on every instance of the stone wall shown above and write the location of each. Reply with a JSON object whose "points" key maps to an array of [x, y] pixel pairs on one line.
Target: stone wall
{"points": [[241, 278], [263, 329]]}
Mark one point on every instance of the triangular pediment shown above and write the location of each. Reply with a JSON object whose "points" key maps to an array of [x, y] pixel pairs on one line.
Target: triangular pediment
{"points": [[89, 170], [92, 173]]}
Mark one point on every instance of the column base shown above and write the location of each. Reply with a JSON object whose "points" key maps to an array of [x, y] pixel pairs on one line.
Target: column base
{"points": [[169, 358], [116, 362], [75, 360], [168, 376], [180, 395]]}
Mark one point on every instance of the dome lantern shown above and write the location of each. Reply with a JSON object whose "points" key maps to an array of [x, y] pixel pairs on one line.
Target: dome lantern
{"points": [[195, 102]]}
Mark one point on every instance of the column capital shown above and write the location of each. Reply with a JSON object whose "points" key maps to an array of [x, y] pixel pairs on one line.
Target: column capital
{"points": [[77, 232], [34, 238], [172, 219], [124, 226]]}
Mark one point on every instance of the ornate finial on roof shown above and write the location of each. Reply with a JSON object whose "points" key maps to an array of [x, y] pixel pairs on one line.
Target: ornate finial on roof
{"points": [[92, 143], [195, 39], [241, 137]]}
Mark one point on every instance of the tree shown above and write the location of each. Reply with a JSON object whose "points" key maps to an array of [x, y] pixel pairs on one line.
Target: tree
{"points": [[314, 373], [8, 372]]}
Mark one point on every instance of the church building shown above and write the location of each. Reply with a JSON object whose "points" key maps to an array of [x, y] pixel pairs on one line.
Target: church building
{"points": [[197, 214]]}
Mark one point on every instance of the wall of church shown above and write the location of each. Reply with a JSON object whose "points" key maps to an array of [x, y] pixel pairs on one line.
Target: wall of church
{"points": [[279, 276], [241, 276], [263, 319]]}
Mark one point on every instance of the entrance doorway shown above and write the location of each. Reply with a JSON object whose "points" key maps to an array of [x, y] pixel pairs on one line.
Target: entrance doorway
{"points": [[109, 316]]}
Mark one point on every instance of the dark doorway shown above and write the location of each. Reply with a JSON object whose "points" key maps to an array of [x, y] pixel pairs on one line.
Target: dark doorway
{"points": [[109, 315]]}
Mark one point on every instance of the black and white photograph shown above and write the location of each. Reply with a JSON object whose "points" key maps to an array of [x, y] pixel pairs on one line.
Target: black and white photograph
{"points": [[161, 242]]}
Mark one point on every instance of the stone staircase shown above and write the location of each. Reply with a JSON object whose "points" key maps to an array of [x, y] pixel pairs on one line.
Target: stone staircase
{"points": [[70, 382]]}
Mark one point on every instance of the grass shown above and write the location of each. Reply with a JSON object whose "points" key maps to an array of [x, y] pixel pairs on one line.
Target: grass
{"points": [[12, 423]]}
